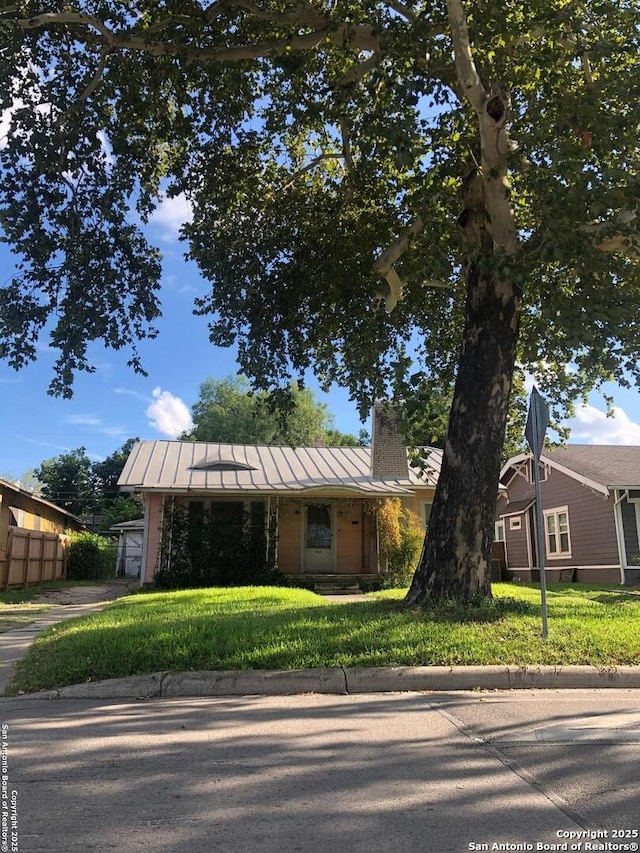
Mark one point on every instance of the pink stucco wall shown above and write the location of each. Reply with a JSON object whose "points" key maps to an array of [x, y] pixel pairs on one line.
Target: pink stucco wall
{"points": [[153, 522]]}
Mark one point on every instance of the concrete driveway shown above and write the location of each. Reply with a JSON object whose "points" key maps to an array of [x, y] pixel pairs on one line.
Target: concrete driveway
{"points": [[65, 604], [371, 774]]}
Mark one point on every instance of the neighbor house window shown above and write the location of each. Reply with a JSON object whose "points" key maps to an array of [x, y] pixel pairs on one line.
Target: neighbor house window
{"points": [[17, 518], [515, 523], [498, 535], [425, 513], [556, 527]]}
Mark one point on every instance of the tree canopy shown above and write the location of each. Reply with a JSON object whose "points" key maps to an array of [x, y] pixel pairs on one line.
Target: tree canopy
{"points": [[67, 481], [82, 487], [227, 411], [386, 193]]}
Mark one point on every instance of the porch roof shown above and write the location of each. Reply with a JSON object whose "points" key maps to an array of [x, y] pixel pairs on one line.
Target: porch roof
{"points": [[188, 466], [517, 507]]}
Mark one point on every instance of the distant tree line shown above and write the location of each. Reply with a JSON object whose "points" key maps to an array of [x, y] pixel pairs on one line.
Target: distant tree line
{"points": [[82, 487]]}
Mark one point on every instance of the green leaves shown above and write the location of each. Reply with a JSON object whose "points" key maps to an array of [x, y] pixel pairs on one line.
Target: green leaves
{"points": [[228, 411], [309, 139]]}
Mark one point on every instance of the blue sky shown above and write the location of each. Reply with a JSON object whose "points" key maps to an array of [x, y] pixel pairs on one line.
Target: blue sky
{"points": [[114, 404]]}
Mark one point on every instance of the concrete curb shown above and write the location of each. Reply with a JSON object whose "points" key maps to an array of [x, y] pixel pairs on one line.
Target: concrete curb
{"points": [[341, 680]]}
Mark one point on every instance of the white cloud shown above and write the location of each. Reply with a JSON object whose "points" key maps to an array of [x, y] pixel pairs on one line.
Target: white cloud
{"points": [[171, 214], [138, 396], [106, 147], [114, 431], [5, 122], [88, 420], [592, 426], [98, 423], [169, 415]]}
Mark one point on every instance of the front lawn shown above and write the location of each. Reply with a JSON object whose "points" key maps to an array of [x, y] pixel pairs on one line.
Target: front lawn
{"points": [[276, 628]]}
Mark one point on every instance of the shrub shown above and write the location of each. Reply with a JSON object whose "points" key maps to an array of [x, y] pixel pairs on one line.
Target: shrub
{"points": [[400, 538], [402, 557], [221, 546], [90, 557]]}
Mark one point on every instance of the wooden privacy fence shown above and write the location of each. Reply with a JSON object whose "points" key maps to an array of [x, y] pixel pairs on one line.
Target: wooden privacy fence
{"points": [[32, 557]]}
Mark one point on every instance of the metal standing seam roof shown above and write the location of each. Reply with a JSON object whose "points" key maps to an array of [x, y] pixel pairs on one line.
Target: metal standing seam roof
{"points": [[187, 466]]}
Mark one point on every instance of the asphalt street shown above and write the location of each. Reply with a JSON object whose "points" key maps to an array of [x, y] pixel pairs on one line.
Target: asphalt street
{"points": [[445, 772]]}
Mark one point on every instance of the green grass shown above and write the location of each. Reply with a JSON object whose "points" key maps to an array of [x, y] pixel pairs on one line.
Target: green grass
{"points": [[275, 628]]}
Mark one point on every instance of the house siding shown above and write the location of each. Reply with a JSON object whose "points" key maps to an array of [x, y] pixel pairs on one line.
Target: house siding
{"points": [[516, 541], [416, 502], [31, 543], [290, 537], [594, 549], [35, 515], [517, 546]]}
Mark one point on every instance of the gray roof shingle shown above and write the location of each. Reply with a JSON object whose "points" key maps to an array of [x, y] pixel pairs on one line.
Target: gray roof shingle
{"points": [[611, 465]]}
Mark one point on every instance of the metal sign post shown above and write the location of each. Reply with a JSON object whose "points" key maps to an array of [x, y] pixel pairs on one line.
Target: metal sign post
{"points": [[537, 423]]}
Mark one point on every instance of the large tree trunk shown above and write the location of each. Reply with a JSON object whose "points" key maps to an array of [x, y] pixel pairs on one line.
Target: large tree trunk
{"points": [[456, 558]]}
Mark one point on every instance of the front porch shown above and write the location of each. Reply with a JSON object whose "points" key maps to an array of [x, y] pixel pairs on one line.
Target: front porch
{"points": [[327, 541]]}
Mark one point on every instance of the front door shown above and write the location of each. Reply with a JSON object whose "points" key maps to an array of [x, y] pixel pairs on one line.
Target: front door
{"points": [[318, 538]]}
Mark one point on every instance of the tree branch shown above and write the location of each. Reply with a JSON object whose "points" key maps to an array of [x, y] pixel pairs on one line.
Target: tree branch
{"points": [[309, 167], [46, 19], [356, 37], [492, 109], [384, 265], [358, 71], [346, 144], [465, 66], [95, 80], [304, 15], [404, 11], [619, 243], [586, 68]]}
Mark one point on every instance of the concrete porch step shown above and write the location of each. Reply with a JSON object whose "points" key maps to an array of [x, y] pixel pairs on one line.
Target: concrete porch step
{"points": [[336, 585], [335, 588]]}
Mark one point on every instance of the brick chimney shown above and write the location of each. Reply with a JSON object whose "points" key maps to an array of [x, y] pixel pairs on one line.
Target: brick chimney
{"points": [[388, 449]]}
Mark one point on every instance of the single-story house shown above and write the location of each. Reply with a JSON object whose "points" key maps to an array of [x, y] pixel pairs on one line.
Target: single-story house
{"points": [[31, 547], [590, 496], [130, 537], [314, 502]]}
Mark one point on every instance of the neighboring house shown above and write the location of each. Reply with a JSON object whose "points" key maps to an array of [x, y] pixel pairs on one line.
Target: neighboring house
{"points": [[590, 497], [318, 498], [130, 537], [31, 549]]}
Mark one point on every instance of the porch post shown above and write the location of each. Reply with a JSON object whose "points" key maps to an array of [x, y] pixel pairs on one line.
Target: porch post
{"points": [[617, 517]]}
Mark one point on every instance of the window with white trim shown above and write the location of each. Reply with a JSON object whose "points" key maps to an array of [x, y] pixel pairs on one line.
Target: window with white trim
{"points": [[556, 530], [498, 535], [515, 522], [425, 513]]}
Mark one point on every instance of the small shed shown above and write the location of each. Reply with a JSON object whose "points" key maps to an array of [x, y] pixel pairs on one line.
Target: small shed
{"points": [[130, 538]]}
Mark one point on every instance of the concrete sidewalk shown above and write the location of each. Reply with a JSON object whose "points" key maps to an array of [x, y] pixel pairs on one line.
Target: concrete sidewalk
{"points": [[67, 603]]}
